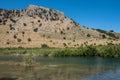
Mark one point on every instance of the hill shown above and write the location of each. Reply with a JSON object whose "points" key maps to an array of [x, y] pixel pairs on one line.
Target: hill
{"points": [[37, 25]]}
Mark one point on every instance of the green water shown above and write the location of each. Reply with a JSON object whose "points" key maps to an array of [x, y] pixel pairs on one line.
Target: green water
{"points": [[61, 68]]}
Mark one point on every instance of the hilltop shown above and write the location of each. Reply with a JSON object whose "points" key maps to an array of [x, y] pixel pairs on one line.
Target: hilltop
{"points": [[37, 25]]}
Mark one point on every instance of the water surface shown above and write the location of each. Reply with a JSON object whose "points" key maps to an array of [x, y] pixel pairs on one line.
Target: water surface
{"points": [[60, 68]]}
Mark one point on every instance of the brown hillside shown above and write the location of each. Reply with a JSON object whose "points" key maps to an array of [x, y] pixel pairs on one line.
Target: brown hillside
{"points": [[36, 25]]}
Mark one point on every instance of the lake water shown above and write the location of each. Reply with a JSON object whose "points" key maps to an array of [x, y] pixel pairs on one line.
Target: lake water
{"points": [[60, 68]]}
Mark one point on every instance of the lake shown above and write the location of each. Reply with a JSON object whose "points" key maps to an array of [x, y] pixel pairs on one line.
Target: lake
{"points": [[60, 68]]}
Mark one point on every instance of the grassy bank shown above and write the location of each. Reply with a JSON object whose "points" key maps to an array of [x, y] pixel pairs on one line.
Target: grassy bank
{"points": [[102, 51]]}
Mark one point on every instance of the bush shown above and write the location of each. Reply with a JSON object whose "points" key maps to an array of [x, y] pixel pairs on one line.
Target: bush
{"points": [[88, 35], [61, 32], [111, 31], [68, 28], [24, 24], [15, 36], [44, 46], [43, 35], [29, 40], [64, 38], [108, 33], [103, 36], [7, 32], [11, 27], [23, 32], [64, 44], [36, 29], [14, 21], [110, 51], [0, 21], [88, 51], [38, 20], [19, 40], [7, 42], [64, 53]]}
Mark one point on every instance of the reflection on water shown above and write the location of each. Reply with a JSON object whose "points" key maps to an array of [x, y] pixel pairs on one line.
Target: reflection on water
{"points": [[70, 68], [109, 75]]}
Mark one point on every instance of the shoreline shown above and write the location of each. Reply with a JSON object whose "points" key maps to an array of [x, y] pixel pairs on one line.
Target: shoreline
{"points": [[100, 51]]}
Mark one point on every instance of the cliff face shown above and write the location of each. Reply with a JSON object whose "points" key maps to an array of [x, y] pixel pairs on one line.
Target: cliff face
{"points": [[36, 25]]}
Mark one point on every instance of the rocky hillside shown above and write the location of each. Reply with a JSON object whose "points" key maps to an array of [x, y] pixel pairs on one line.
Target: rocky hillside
{"points": [[36, 26]]}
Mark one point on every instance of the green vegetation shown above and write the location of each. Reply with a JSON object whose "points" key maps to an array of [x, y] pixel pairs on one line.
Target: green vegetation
{"points": [[103, 36], [101, 51], [44, 46], [88, 35], [111, 34]]}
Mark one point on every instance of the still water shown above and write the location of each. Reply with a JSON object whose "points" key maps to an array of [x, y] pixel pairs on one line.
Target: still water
{"points": [[60, 68]]}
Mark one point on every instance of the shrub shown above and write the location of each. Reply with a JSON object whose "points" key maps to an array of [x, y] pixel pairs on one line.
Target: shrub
{"points": [[50, 40], [7, 42], [103, 36], [89, 51], [61, 32], [110, 43], [36, 29], [64, 52], [0, 21], [7, 32], [68, 28], [64, 38], [108, 33], [19, 40], [24, 24], [38, 20], [110, 51], [40, 24], [102, 31], [111, 31], [112, 35], [88, 35], [15, 36], [48, 37], [29, 40], [64, 44], [44, 46], [43, 35], [11, 27], [74, 40], [23, 32], [13, 20]]}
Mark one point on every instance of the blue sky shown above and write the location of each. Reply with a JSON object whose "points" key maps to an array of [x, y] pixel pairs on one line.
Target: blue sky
{"points": [[103, 14]]}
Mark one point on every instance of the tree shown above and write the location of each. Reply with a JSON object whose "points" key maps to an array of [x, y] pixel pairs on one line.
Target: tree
{"points": [[111, 31]]}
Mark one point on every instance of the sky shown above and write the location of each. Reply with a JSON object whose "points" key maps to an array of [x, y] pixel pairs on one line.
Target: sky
{"points": [[102, 14]]}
